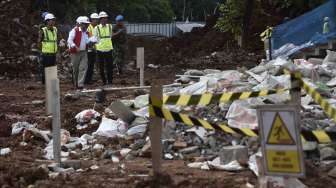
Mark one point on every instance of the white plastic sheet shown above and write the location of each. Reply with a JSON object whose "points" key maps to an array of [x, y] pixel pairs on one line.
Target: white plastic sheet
{"points": [[110, 128], [241, 115], [19, 126]]}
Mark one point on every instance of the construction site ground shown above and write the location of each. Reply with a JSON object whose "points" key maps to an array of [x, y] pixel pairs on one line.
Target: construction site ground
{"points": [[16, 105]]}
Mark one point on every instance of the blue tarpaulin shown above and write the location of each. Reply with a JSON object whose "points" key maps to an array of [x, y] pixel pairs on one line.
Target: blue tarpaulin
{"points": [[304, 31]]}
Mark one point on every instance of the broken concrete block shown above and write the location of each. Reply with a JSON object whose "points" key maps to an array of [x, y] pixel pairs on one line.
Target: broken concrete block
{"points": [[122, 111], [231, 153], [327, 153], [179, 145], [332, 172], [189, 150], [146, 150]]}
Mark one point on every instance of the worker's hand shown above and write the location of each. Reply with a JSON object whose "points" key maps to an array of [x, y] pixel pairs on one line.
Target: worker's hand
{"points": [[77, 49]]}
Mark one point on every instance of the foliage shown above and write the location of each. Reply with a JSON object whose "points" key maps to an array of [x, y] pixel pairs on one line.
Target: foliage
{"points": [[232, 14], [295, 8]]}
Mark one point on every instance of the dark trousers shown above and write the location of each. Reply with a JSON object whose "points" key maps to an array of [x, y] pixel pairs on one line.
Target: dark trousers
{"points": [[90, 69], [48, 60], [105, 62]]}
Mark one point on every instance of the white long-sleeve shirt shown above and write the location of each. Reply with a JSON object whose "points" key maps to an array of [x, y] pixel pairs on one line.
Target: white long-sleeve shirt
{"points": [[84, 39]]}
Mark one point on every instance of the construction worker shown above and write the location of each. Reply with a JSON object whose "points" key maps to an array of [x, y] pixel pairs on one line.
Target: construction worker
{"points": [[119, 43], [92, 49], [47, 41], [78, 42], [104, 47], [326, 25]]}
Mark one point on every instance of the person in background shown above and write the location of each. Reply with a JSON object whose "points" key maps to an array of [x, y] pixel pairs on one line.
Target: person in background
{"points": [[119, 38], [78, 42], [47, 41], [326, 25], [104, 47], [92, 49]]}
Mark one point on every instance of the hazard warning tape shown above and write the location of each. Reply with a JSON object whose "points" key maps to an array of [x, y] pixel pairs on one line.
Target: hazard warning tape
{"points": [[325, 105], [307, 136], [208, 98]]}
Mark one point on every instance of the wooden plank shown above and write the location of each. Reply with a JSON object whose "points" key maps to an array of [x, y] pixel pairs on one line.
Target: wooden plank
{"points": [[50, 74], [155, 124], [56, 120]]}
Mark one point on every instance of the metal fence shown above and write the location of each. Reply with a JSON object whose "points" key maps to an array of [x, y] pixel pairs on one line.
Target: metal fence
{"points": [[162, 29]]}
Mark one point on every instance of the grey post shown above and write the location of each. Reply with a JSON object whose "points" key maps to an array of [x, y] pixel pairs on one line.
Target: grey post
{"points": [[56, 121], [141, 64]]}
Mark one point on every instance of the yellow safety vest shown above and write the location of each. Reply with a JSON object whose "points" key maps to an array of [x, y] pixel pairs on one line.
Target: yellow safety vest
{"points": [[49, 42], [104, 34], [90, 30], [266, 34]]}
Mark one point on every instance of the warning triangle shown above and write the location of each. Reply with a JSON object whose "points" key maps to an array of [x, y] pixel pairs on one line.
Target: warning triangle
{"points": [[279, 134]]}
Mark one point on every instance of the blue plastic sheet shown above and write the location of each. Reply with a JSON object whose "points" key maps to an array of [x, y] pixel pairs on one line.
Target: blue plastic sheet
{"points": [[304, 31]]}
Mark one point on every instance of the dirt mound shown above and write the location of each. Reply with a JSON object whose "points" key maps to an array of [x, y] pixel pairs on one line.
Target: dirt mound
{"points": [[18, 36]]}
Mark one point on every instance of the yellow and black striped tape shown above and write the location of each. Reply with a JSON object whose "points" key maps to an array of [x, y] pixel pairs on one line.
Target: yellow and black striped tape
{"points": [[208, 98], [325, 105], [320, 136]]}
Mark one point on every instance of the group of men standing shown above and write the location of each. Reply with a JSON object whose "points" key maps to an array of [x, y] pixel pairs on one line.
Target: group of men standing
{"points": [[93, 41]]}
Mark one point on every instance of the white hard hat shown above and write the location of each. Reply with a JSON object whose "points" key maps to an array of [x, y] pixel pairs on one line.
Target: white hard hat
{"points": [[49, 16], [83, 19], [94, 16], [103, 14]]}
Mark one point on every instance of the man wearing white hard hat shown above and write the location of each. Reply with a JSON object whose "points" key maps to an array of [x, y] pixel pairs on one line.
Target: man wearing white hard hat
{"points": [[103, 35], [92, 49], [78, 42], [47, 41]]}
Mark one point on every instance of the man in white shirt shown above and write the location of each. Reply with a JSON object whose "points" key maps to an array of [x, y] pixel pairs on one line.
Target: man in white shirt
{"points": [[78, 42]]}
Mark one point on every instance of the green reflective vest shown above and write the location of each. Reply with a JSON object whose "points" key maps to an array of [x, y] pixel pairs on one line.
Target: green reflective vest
{"points": [[49, 42], [325, 28], [104, 34]]}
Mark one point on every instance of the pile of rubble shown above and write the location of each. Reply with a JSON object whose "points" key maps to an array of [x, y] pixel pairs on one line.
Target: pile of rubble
{"points": [[121, 137], [18, 36]]}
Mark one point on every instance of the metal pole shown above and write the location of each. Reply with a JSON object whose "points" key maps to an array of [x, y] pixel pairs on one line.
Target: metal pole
{"points": [[270, 47]]}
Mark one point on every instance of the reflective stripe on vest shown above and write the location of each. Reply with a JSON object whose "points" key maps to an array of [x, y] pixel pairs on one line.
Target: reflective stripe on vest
{"points": [[104, 34], [49, 42]]}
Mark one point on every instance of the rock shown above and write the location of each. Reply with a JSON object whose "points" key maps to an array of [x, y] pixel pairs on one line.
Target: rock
{"points": [[5, 151], [327, 153], [146, 150], [115, 159], [168, 156], [75, 164], [94, 167], [179, 145], [141, 101], [189, 150], [232, 153], [124, 152], [332, 172], [38, 102]]}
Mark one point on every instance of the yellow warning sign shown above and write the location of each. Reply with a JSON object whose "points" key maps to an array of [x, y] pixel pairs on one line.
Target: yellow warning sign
{"points": [[279, 134], [283, 161]]}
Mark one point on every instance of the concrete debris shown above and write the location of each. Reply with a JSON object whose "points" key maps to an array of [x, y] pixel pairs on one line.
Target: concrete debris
{"points": [[5, 151], [327, 153], [332, 172], [234, 153], [141, 101], [86, 117], [19, 126], [215, 165]]}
